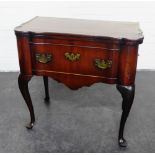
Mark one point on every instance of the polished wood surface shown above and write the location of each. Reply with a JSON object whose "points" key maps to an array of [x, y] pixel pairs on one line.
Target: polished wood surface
{"points": [[43, 43], [85, 65]]}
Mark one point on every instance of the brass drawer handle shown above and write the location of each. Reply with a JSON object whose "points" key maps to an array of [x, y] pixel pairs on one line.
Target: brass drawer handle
{"points": [[72, 57], [103, 64], [43, 58]]}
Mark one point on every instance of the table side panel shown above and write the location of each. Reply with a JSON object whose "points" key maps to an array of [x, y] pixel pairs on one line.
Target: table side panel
{"points": [[127, 65], [24, 55]]}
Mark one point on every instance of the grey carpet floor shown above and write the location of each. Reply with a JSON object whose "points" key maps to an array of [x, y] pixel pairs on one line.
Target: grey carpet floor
{"points": [[85, 120]]}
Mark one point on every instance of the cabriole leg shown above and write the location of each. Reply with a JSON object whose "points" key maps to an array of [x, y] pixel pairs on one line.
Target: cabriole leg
{"points": [[127, 93], [23, 86], [45, 79]]}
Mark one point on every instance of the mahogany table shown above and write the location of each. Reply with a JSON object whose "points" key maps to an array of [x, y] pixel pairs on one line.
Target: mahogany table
{"points": [[79, 53]]}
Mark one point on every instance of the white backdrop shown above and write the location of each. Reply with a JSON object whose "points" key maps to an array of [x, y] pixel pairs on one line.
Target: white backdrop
{"points": [[13, 14]]}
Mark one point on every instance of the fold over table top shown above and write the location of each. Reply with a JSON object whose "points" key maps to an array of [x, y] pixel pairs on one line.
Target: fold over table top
{"points": [[96, 28]]}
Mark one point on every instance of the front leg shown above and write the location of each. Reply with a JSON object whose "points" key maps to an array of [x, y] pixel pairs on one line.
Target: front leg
{"points": [[23, 86], [127, 93]]}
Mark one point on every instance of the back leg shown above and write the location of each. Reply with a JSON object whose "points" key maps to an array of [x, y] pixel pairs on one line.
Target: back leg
{"points": [[45, 79]]}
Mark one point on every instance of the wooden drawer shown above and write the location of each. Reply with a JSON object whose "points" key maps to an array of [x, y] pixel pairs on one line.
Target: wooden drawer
{"points": [[87, 60]]}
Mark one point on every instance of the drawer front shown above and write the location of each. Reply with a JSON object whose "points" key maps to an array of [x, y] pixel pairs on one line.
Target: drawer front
{"points": [[66, 58]]}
